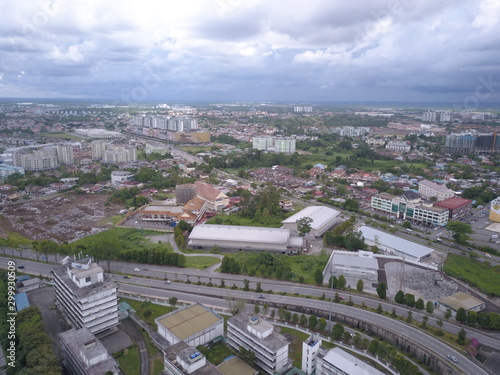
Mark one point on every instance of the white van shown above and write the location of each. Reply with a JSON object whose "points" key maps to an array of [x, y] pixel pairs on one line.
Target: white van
{"points": [[408, 230]]}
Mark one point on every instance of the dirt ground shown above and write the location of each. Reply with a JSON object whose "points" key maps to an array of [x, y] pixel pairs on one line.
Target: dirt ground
{"points": [[58, 218]]}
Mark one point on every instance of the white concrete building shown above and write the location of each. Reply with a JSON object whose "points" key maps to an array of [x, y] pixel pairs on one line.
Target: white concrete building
{"points": [[429, 189], [394, 245], [310, 351], [257, 335], [338, 362], [359, 265], [233, 237], [195, 325], [36, 160], [83, 354], [118, 177], [87, 296], [323, 218]]}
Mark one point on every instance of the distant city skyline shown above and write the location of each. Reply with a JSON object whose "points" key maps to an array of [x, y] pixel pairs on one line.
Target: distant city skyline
{"points": [[252, 50]]}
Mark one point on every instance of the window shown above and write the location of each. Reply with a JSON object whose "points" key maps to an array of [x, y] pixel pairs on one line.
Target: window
{"points": [[87, 279]]}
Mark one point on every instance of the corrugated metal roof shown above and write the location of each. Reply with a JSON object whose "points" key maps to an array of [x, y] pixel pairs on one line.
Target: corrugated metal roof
{"points": [[399, 244], [188, 321], [355, 260], [240, 233], [319, 214]]}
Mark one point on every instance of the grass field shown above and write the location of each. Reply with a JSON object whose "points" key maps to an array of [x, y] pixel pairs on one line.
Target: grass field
{"points": [[295, 347], [128, 238], [142, 309], [129, 361], [484, 277], [18, 240], [201, 262], [62, 136]]}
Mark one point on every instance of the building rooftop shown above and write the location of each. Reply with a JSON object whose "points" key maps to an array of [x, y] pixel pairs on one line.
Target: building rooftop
{"points": [[355, 260], [321, 215], [453, 203], [399, 244], [61, 273], [183, 351], [459, 300], [186, 322], [21, 301], [240, 233], [435, 186], [274, 341], [86, 348], [236, 366], [348, 363]]}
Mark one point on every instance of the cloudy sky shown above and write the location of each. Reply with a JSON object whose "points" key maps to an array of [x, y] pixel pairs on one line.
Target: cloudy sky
{"points": [[332, 50]]}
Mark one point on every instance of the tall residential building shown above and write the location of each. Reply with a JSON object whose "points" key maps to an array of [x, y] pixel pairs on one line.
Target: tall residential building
{"points": [[257, 335], [460, 143], [284, 145], [429, 116], [36, 160], [87, 296], [495, 210], [65, 154], [113, 153], [262, 143], [83, 354], [429, 189]]}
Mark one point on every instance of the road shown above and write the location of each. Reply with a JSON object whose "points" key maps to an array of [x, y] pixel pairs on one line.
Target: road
{"points": [[216, 297]]}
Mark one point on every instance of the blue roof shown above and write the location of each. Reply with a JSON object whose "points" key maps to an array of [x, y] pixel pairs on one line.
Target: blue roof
{"points": [[21, 301]]}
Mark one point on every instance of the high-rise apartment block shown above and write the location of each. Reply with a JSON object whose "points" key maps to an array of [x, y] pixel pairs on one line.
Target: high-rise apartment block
{"points": [[87, 297]]}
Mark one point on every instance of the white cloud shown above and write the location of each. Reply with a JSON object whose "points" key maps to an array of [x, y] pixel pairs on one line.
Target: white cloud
{"points": [[239, 47]]}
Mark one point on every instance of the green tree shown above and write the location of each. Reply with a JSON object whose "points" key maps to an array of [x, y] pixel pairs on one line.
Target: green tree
{"points": [[399, 297], [258, 288], [382, 290], [313, 321], [304, 225], [333, 282], [295, 318], [321, 324], [172, 301], [247, 355], [373, 347], [409, 300], [337, 331], [246, 283], [461, 315], [341, 282], [461, 231], [256, 309], [471, 317], [447, 314], [425, 319], [462, 336], [360, 285], [429, 307], [303, 320], [379, 309], [318, 277], [409, 318], [419, 304]]}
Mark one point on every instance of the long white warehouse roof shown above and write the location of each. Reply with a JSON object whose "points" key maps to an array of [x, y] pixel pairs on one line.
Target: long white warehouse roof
{"points": [[400, 244], [240, 233], [320, 215]]}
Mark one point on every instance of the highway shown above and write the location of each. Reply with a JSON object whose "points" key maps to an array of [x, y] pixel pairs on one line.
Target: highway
{"points": [[213, 296]]}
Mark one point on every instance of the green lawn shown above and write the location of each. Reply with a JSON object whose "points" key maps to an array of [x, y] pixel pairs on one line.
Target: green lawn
{"points": [[148, 311], [18, 240], [295, 347], [476, 273], [201, 262], [216, 354], [158, 366], [62, 136], [128, 238], [129, 360]]}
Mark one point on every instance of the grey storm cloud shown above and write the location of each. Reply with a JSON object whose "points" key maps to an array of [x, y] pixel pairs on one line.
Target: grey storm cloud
{"points": [[421, 50]]}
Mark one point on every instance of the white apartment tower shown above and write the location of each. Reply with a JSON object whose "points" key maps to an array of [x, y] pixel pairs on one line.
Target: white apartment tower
{"points": [[87, 296], [310, 349]]}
